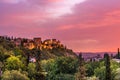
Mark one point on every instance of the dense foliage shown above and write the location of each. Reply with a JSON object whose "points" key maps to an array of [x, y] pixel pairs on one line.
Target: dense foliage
{"points": [[60, 68], [80, 75], [14, 75], [19, 63]]}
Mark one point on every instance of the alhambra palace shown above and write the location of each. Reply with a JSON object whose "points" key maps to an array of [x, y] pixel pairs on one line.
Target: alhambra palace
{"points": [[35, 43]]}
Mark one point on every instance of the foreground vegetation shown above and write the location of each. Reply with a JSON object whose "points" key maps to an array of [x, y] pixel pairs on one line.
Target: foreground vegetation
{"points": [[15, 64]]}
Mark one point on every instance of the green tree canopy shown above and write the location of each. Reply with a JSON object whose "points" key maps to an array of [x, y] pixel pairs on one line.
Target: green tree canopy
{"points": [[14, 75], [13, 63], [60, 66], [117, 77], [81, 74], [4, 54], [31, 70]]}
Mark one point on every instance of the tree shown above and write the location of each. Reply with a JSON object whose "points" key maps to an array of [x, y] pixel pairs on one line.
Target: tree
{"points": [[100, 72], [59, 68], [13, 63], [117, 77], [14, 75], [38, 74], [1, 66], [31, 70], [17, 51], [107, 67], [50, 68], [64, 77], [4, 54], [90, 68], [118, 54], [80, 75], [66, 65]]}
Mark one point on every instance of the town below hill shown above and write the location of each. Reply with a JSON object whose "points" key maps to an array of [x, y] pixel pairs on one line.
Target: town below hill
{"points": [[96, 56]]}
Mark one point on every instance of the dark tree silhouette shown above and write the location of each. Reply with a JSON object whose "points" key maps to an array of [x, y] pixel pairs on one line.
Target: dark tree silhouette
{"points": [[118, 54], [80, 75], [38, 75], [107, 65]]}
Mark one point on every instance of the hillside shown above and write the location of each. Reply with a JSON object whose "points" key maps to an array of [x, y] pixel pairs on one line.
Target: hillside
{"points": [[49, 48]]}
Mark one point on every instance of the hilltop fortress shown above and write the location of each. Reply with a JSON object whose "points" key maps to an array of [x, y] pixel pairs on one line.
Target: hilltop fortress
{"points": [[34, 43]]}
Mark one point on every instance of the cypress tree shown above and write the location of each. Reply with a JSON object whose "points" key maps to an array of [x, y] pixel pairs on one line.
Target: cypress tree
{"points": [[80, 75], [107, 66], [38, 75], [118, 55]]}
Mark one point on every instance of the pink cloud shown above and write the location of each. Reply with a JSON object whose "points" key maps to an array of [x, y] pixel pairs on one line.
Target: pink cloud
{"points": [[92, 25], [12, 1]]}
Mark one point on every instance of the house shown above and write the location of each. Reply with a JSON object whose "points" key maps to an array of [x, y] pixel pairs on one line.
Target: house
{"points": [[32, 59], [116, 60]]}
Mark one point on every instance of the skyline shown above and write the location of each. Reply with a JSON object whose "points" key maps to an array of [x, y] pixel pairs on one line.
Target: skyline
{"points": [[82, 25]]}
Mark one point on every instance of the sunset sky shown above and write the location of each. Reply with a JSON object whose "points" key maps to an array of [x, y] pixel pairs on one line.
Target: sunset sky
{"points": [[82, 25]]}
